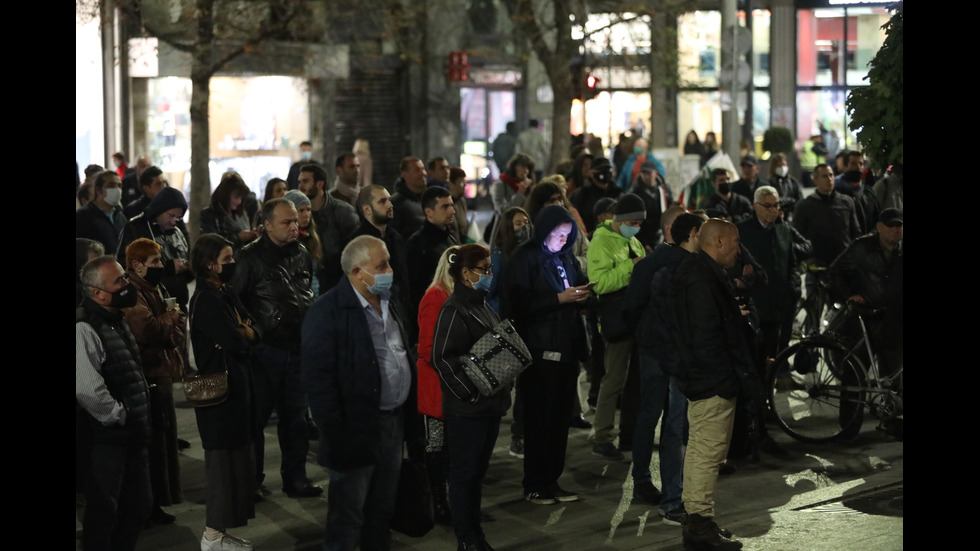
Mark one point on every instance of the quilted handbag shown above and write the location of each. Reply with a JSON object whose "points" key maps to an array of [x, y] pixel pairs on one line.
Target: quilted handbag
{"points": [[206, 390], [496, 359]]}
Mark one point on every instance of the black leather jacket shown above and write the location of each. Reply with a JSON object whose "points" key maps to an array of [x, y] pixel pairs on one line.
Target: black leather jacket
{"points": [[274, 285]]}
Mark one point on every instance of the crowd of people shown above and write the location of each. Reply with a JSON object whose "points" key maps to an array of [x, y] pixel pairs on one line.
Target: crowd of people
{"points": [[348, 310]]}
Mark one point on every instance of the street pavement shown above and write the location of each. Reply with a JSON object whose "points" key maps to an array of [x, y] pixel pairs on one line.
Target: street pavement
{"points": [[820, 497]]}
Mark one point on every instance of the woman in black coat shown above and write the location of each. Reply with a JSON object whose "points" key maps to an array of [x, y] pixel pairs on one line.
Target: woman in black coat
{"points": [[221, 333], [472, 420]]}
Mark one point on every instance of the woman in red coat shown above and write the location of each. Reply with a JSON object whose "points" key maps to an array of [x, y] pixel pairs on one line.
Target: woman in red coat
{"points": [[429, 391]]}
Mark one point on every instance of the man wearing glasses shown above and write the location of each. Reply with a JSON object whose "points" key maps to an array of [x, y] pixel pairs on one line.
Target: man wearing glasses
{"points": [[778, 248]]}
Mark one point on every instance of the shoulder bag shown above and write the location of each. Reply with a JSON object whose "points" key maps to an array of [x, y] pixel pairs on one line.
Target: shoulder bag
{"points": [[206, 390], [497, 358]]}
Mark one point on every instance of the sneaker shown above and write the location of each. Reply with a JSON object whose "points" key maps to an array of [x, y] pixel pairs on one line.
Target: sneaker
{"points": [[645, 490], [675, 517], [517, 448], [541, 498], [564, 496], [607, 450], [225, 542]]}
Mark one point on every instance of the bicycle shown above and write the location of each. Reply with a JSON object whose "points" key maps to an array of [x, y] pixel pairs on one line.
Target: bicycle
{"points": [[832, 379], [814, 310]]}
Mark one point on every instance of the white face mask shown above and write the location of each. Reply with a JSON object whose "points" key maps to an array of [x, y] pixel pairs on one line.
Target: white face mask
{"points": [[782, 171], [113, 195]]}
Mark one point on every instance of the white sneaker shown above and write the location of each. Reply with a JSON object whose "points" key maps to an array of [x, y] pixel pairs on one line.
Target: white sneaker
{"points": [[226, 542]]}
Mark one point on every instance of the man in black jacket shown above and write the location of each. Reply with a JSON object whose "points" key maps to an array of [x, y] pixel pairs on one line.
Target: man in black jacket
{"points": [[162, 221], [872, 272], [427, 244], [715, 368], [273, 278], [357, 363], [659, 391]]}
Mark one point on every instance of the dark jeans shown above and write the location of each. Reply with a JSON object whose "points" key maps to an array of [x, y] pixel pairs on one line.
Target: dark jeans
{"points": [[470, 442], [279, 386], [361, 501], [659, 394], [548, 391], [118, 498]]}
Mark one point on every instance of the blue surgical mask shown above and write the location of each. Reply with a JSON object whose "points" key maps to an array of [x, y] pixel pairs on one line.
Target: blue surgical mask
{"points": [[484, 283], [306, 155], [629, 231], [382, 282]]}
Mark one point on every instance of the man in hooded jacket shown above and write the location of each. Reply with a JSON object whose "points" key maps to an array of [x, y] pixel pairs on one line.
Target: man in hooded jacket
{"points": [[544, 290]]}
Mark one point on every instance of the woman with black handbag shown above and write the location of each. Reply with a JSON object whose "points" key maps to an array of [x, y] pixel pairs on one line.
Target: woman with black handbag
{"points": [[472, 419], [221, 333]]}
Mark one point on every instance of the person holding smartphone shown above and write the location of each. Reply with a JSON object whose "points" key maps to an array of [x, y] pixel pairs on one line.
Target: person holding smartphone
{"points": [[544, 291]]}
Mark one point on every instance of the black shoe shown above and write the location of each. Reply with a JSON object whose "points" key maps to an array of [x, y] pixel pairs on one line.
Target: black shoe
{"points": [[472, 546], [486, 517], [441, 513], [540, 498], [702, 534], [312, 432], [260, 493], [727, 468], [646, 491], [183, 444], [309, 490], [579, 422], [159, 516]]}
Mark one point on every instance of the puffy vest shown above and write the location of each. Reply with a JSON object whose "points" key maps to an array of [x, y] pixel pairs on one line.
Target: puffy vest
{"points": [[123, 377]]}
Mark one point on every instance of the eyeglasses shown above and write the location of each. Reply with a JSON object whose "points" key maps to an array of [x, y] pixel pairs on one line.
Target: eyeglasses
{"points": [[770, 206], [488, 269]]}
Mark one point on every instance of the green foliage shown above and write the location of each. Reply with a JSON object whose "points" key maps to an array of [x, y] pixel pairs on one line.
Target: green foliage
{"points": [[876, 110], [778, 139]]}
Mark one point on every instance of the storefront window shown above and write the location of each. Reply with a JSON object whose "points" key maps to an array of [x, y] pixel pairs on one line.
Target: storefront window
{"points": [[256, 125], [834, 46]]}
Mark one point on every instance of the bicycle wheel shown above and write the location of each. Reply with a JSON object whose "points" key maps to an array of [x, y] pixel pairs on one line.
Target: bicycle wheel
{"points": [[816, 391]]}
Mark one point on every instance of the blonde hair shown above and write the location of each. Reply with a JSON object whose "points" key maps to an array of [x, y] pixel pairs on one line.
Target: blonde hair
{"points": [[442, 278]]}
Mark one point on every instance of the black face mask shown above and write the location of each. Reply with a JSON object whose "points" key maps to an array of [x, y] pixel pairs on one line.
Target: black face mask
{"points": [[227, 272], [723, 189], [153, 275], [125, 297]]}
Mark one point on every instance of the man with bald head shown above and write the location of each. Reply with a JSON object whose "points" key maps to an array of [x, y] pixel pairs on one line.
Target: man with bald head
{"points": [[714, 356]]}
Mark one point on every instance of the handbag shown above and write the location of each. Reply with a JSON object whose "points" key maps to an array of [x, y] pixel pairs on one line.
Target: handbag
{"points": [[612, 323], [413, 514], [206, 390], [496, 358]]}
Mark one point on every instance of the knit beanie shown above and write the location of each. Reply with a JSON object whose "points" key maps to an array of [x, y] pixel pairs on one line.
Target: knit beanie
{"points": [[630, 207], [298, 198]]}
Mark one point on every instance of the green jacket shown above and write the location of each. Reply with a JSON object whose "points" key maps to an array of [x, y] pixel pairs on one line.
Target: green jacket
{"points": [[610, 264]]}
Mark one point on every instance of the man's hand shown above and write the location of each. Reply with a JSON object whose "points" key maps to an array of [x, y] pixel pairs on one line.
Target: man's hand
{"points": [[574, 294], [857, 298]]}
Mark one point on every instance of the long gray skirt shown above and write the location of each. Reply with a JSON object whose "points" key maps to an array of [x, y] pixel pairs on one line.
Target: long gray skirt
{"points": [[230, 495]]}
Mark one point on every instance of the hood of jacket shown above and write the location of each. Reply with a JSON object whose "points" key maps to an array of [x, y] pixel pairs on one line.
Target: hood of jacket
{"points": [[547, 220]]}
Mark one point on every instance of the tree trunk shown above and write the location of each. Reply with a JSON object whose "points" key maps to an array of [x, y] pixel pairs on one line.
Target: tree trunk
{"points": [[200, 151]]}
